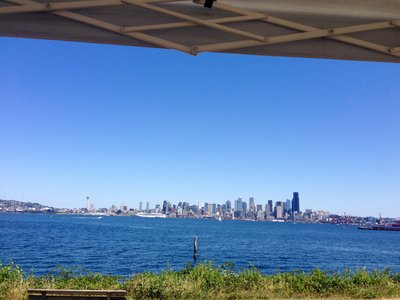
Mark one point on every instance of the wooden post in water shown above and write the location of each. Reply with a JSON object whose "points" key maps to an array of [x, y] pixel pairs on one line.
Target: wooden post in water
{"points": [[195, 248]]}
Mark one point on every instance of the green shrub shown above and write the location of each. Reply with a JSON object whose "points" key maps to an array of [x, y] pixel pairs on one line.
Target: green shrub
{"points": [[12, 283], [207, 281]]}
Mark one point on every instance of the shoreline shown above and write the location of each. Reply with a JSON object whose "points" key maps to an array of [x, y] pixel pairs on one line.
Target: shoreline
{"points": [[210, 218], [207, 281]]}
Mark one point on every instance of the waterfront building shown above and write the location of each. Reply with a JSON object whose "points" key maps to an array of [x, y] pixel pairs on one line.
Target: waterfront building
{"points": [[228, 205], [192, 209], [179, 211], [296, 202], [308, 213], [147, 207], [124, 208], [259, 207], [140, 206]]}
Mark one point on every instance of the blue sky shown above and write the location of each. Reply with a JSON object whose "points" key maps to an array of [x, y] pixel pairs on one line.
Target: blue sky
{"points": [[123, 125]]}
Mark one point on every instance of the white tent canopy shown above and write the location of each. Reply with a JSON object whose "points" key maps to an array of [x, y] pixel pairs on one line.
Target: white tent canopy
{"points": [[342, 29]]}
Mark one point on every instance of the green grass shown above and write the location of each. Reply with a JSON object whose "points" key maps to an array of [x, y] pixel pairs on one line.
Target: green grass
{"points": [[207, 281]]}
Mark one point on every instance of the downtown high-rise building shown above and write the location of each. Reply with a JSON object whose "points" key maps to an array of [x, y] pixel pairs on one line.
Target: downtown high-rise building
{"points": [[270, 207], [295, 202], [214, 208], [278, 211], [239, 204], [244, 207], [252, 207], [209, 208], [288, 206], [166, 207]]}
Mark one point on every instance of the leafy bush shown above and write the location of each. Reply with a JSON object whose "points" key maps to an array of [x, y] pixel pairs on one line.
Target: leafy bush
{"points": [[12, 283], [207, 281]]}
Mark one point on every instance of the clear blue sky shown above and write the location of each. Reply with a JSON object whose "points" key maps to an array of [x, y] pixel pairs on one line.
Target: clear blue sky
{"points": [[123, 125]]}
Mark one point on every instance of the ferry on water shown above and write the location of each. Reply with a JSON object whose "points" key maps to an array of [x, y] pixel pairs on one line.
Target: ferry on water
{"points": [[150, 215], [393, 226]]}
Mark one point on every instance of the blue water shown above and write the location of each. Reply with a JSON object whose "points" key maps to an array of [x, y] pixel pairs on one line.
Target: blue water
{"points": [[125, 245]]}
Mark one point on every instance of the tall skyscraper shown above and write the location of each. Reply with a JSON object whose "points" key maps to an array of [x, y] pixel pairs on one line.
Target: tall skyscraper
{"points": [[295, 202], [270, 207], [166, 207], [228, 205], [252, 207], [209, 208], [87, 203], [214, 208], [147, 207], [239, 204], [288, 206], [244, 207], [140, 206]]}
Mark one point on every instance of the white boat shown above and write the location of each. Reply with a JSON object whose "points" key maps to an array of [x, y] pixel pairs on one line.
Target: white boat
{"points": [[151, 215]]}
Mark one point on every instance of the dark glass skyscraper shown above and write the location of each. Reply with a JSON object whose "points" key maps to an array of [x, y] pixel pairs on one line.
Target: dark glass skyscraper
{"points": [[270, 207], [295, 202]]}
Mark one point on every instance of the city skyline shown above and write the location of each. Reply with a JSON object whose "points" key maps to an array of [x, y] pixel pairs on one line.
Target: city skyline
{"points": [[150, 205], [247, 206], [124, 125], [238, 209]]}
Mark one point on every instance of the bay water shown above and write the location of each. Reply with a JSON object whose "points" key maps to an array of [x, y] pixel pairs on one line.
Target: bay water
{"points": [[126, 245]]}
